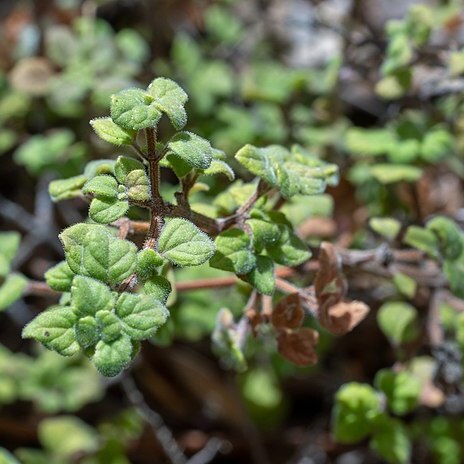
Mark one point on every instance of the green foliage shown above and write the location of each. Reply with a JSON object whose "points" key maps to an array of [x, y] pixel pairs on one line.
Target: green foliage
{"points": [[398, 321]]}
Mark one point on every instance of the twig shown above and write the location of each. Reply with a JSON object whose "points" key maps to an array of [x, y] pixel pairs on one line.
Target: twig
{"points": [[162, 433], [208, 453]]}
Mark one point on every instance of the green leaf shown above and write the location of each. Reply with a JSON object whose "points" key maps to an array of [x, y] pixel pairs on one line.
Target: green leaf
{"points": [[373, 142], [110, 132], [148, 262], [449, 236], [219, 167], [262, 276], [398, 321], [87, 331], [169, 98], [356, 405], [65, 436], [55, 329], [111, 358], [102, 187], [109, 327], [390, 173], [422, 239], [141, 315], [89, 296], [106, 211], [7, 458], [288, 250], [11, 290], [264, 232], [192, 149], [60, 277], [401, 389], [405, 284], [138, 185], [159, 287], [132, 109], [390, 440], [184, 244], [386, 227], [233, 252], [124, 165], [65, 189], [92, 251], [9, 244]]}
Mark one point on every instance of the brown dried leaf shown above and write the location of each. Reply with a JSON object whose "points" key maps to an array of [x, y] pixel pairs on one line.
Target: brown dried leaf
{"points": [[255, 319], [288, 313], [298, 346], [329, 284], [343, 316], [32, 76]]}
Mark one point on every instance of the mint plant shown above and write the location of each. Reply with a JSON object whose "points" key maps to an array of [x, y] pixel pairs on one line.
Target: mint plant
{"points": [[114, 295]]}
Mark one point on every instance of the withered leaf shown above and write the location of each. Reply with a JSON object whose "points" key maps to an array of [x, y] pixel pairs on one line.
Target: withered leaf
{"points": [[343, 316], [329, 284], [298, 346], [288, 313]]}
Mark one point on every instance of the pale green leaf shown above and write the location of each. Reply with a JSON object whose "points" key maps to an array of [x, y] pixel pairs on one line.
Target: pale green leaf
{"points": [[219, 167], [233, 252], [184, 244], [124, 165], [60, 277], [262, 276], [111, 358], [132, 109], [106, 211], [110, 132], [109, 326], [288, 250], [102, 187], [169, 98], [89, 296], [192, 149], [398, 321], [138, 185], [141, 315], [64, 189], [55, 329]]}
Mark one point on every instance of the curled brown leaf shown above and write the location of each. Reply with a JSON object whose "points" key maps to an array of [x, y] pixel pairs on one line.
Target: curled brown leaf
{"points": [[298, 346], [343, 316], [288, 313]]}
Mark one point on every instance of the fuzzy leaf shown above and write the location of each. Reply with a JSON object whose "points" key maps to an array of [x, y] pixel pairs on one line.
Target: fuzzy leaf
{"points": [[86, 331], [106, 211], [11, 290], [124, 165], [64, 189], [55, 329], [111, 358], [262, 276], [108, 325], [184, 244], [141, 315], [132, 109], [148, 262], [89, 296], [102, 187], [138, 185], [264, 232], [92, 251], [233, 252], [192, 149], [169, 98], [219, 167], [110, 132], [60, 277], [289, 250], [159, 287]]}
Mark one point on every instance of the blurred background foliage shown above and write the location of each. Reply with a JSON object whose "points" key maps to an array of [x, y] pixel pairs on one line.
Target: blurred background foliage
{"points": [[375, 87]]}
